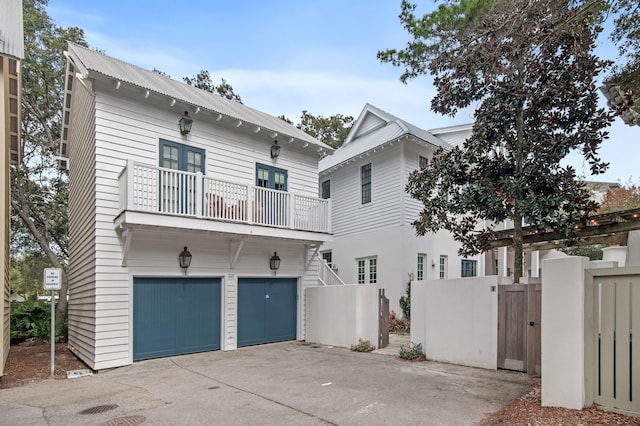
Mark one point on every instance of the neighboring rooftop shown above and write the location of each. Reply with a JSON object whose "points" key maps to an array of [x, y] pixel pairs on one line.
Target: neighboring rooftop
{"points": [[11, 39], [375, 128]]}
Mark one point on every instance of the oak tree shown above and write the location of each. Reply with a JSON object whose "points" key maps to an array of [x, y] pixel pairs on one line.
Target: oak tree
{"points": [[39, 191]]}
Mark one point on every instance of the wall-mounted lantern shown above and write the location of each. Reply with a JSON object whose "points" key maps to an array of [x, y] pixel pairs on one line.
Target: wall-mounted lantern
{"points": [[184, 259], [274, 262], [275, 150], [185, 123]]}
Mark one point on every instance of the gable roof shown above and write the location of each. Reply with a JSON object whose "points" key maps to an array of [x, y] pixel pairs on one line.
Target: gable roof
{"points": [[88, 61], [373, 129], [11, 39]]}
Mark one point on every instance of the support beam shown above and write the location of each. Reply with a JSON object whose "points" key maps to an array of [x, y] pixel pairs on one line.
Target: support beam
{"points": [[308, 259], [127, 236], [234, 252]]}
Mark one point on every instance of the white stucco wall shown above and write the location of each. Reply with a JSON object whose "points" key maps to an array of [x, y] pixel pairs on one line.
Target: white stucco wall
{"points": [[456, 320], [633, 249], [340, 315], [563, 331]]}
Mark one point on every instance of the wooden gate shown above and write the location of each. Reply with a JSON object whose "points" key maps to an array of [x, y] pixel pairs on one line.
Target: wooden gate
{"points": [[519, 327], [383, 319], [616, 312]]}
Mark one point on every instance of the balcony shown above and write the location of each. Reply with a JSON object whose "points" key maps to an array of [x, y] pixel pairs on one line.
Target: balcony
{"points": [[155, 196]]}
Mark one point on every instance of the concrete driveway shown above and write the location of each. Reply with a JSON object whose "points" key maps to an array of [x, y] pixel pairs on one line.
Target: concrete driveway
{"points": [[284, 383]]}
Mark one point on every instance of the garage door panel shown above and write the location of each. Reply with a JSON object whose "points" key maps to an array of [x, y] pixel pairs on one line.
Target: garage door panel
{"points": [[251, 312], [267, 310], [282, 323], [155, 323], [174, 316], [199, 324]]}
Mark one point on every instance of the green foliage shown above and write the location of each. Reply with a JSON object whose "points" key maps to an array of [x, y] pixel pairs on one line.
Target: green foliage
{"points": [[31, 320], [203, 81], [405, 302], [593, 252], [532, 79], [412, 352], [331, 130], [362, 346], [26, 274]]}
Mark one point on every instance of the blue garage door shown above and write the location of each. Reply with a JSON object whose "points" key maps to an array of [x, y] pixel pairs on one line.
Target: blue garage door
{"points": [[266, 310], [173, 316]]}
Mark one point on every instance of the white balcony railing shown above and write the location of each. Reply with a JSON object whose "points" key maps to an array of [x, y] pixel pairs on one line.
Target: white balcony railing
{"points": [[148, 188]]}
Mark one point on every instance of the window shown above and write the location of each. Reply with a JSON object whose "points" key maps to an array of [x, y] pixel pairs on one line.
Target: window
{"points": [[469, 268], [326, 256], [373, 270], [423, 161], [177, 156], [443, 267], [365, 183], [178, 190], [326, 189], [368, 270], [361, 273], [271, 177], [420, 267]]}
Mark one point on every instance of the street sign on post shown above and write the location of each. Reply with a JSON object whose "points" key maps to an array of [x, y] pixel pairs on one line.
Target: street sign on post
{"points": [[52, 279], [53, 282]]}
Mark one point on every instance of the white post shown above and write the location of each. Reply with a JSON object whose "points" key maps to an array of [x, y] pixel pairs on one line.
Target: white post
{"points": [[199, 194], [563, 349], [53, 331], [130, 177], [535, 263], [292, 211], [329, 205], [251, 205], [52, 281]]}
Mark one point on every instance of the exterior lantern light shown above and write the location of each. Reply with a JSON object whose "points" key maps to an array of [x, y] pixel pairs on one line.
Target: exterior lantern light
{"points": [[185, 260], [185, 123], [275, 151], [274, 262]]}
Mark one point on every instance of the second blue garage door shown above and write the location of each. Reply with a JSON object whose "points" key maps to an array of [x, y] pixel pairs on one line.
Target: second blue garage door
{"points": [[266, 310]]}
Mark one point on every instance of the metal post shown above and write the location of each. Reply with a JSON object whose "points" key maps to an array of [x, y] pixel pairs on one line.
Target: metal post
{"points": [[53, 330]]}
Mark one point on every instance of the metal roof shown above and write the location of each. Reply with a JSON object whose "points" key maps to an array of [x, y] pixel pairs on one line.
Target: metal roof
{"points": [[358, 143], [88, 61], [11, 31]]}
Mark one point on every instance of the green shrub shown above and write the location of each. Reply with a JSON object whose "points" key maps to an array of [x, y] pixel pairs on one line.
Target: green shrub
{"points": [[31, 320], [413, 352], [362, 346], [405, 301]]}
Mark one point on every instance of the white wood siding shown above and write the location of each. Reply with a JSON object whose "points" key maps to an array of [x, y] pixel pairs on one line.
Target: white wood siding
{"points": [[349, 215], [82, 202], [412, 151], [127, 128]]}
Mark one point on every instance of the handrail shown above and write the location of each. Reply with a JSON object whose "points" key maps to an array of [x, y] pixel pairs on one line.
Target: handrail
{"points": [[326, 275]]}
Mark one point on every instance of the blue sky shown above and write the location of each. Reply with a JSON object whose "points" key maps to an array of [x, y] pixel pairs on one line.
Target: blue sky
{"points": [[286, 56]]}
